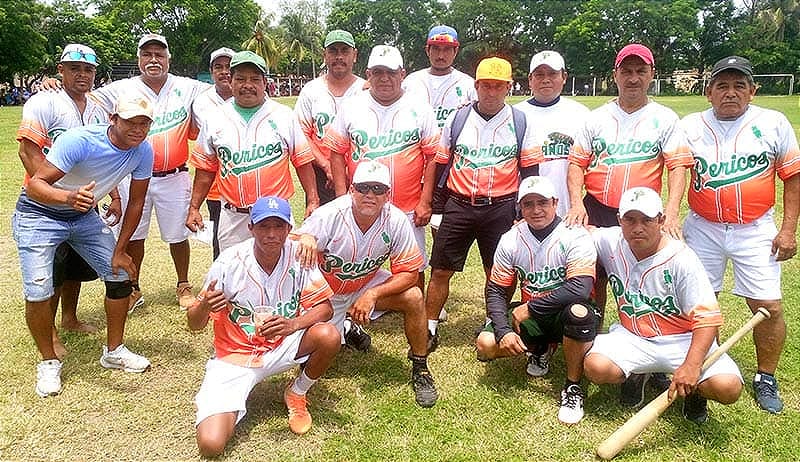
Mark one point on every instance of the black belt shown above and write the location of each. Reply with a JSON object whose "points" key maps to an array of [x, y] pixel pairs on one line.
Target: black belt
{"points": [[480, 201], [182, 168], [233, 208]]}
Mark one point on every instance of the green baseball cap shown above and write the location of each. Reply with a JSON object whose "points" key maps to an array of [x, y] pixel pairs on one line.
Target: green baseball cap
{"points": [[339, 36], [248, 57]]}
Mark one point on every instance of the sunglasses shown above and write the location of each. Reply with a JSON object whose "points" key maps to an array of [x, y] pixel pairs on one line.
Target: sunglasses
{"points": [[79, 56], [377, 189]]}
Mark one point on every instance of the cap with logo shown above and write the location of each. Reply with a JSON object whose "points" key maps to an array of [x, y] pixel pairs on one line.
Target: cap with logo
{"points": [[219, 52], [147, 38], [386, 56], [77, 53], [551, 59], [736, 63], [372, 171], [540, 185], [271, 206], [339, 36], [641, 199], [443, 35], [635, 49], [248, 57], [494, 69], [132, 105]]}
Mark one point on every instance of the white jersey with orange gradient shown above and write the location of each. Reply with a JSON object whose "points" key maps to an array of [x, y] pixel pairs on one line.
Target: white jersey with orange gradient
{"points": [[204, 106], [172, 125], [735, 162], [619, 151], [48, 114], [403, 136], [316, 109], [251, 158], [666, 293], [486, 163], [349, 257], [445, 93], [554, 129], [542, 267]]}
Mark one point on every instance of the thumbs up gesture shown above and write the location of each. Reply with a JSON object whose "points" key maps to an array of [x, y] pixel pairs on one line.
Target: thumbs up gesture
{"points": [[82, 199]]}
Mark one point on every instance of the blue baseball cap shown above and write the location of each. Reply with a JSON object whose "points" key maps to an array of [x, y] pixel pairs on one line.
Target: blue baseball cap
{"points": [[271, 206], [442, 35]]}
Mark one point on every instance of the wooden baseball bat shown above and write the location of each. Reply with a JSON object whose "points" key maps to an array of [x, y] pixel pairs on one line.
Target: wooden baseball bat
{"points": [[612, 445]]}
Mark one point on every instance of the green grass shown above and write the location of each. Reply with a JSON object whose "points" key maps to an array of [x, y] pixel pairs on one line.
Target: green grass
{"points": [[363, 407]]}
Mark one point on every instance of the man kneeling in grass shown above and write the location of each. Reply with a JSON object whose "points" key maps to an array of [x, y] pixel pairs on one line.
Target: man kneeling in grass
{"points": [[269, 315]]}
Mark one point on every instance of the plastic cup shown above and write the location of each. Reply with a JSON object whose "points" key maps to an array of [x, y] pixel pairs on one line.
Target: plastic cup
{"points": [[260, 314]]}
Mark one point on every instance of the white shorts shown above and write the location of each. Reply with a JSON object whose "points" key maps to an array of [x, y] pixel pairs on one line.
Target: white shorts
{"points": [[342, 302], [226, 386], [169, 196], [232, 228], [638, 355], [756, 273], [419, 235]]}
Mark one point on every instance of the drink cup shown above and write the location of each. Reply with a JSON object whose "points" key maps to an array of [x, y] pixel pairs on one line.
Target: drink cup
{"points": [[260, 314]]}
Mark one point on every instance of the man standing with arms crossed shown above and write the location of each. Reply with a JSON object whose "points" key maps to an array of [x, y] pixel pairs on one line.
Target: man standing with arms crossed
{"points": [[321, 99], [738, 148]]}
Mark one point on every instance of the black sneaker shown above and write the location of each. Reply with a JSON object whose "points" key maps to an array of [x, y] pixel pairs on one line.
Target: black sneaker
{"points": [[695, 408], [631, 393], [766, 390], [659, 382], [424, 388], [357, 338]]}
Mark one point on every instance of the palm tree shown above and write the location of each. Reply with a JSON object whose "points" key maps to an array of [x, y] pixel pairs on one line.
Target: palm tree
{"points": [[263, 43], [302, 37]]}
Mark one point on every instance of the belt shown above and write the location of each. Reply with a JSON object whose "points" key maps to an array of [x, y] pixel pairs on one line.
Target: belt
{"points": [[182, 168], [481, 201], [233, 208]]}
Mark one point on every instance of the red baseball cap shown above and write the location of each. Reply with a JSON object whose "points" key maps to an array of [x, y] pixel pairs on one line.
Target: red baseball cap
{"points": [[635, 49]]}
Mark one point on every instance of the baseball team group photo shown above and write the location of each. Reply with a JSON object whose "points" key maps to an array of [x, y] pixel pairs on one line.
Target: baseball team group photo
{"points": [[372, 230]]}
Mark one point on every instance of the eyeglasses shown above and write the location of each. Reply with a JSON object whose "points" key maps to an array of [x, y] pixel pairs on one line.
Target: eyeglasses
{"points": [[377, 189], [79, 56]]}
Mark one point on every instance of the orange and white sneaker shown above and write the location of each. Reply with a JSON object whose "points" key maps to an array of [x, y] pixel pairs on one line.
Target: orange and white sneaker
{"points": [[299, 418], [184, 294]]}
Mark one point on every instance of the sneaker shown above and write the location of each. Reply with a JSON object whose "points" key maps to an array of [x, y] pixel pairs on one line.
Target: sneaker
{"points": [[299, 418], [695, 408], [184, 294], [135, 300], [571, 410], [48, 378], [631, 393], [357, 338], [659, 382], [433, 343], [766, 391], [424, 388], [443, 315], [123, 358], [539, 364]]}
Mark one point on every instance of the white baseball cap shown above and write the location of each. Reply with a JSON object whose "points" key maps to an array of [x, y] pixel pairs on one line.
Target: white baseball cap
{"points": [[641, 199], [147, 38], [372, 171], [220, 52], [386, 56], [132, 105], [540, 185], [551, 59], [77, 53]]}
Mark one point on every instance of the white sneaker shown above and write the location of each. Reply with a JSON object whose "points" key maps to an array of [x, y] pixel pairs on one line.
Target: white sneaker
{"points": [[48, 378], [571, 411], [539, 365], [125, 359]]}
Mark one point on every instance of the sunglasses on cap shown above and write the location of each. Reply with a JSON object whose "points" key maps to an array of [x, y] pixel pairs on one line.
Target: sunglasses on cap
{"points": [[377, 189], [79, 56]]}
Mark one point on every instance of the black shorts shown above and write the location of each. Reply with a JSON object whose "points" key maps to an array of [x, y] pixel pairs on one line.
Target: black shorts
{"points": [[69, 266], [462, 224], [325, 192], [600, 215]]}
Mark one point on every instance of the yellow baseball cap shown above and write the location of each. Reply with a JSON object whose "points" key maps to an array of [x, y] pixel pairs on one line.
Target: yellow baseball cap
{"points": [[494, 69]]}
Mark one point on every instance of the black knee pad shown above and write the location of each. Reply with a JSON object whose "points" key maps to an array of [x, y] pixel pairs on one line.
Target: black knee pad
{"points": [[116, 290], [580, 328]]}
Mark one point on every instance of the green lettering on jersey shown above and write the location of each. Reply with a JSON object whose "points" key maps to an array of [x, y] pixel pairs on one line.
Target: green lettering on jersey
{"points": [[737, 169], [638, 305], [240, 162], [543, 280]]}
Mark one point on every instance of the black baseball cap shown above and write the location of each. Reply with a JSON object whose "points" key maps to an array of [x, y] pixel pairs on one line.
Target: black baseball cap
{"points": [[736, 63]]}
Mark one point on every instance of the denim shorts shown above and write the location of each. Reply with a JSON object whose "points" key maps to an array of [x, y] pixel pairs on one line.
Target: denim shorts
{"points": [[37, 238]]}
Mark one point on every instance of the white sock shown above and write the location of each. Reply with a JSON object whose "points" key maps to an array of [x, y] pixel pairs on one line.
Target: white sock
{"points": [[302, 383], [432, 325], [348, 324]]}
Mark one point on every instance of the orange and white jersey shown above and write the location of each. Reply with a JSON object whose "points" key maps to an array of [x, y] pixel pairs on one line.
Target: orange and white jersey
{"points": [[733, 179], [445, 93], [554, 129], [252, 158], [620, 151], [349, 257], [172, 125], [486, 162], [316, 109], [291, 290], [544, 266], [666, 293], [403, 136], [204, 106]]}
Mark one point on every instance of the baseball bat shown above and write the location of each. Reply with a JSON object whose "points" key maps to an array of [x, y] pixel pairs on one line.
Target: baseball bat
{"points": [[612, 445]]}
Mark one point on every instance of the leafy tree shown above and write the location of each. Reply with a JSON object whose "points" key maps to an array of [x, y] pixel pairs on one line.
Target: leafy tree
{"points": [[264, 42], [22, 47], [302, 39]]}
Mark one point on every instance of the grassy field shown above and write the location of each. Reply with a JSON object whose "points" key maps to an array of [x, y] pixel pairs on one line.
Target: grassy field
{"points": [[363, 408]]}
